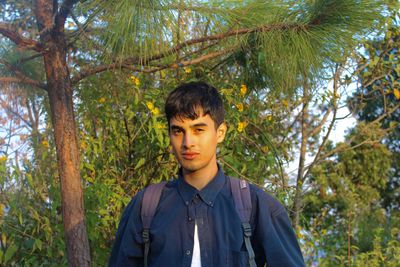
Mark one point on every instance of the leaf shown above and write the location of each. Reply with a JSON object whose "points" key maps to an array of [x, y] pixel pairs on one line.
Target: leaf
{"points": [[30, 181], [10, 253], [140, 163], [374, 61], [38, 244]]}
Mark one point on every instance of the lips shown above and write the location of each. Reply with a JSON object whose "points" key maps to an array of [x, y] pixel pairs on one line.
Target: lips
{"points": [[189, 155]]}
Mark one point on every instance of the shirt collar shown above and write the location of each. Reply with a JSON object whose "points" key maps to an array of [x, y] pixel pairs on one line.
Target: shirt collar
{"points": [[207, 194]]}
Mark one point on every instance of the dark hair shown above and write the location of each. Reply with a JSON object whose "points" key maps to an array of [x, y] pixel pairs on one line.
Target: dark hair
{"points": [[185, 101]]}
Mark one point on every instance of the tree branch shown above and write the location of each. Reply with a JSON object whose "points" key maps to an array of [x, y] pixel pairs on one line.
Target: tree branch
{"points": [[98, 69], [26, 59], [318, 128], [8, 31], [19, 76], [129, 63], [336, 81], [7, 107], [264, 28], [340, 148], [25, 80]]}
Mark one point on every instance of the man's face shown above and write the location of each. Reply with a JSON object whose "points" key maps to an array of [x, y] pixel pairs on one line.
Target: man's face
{"points": [[194, 142]]}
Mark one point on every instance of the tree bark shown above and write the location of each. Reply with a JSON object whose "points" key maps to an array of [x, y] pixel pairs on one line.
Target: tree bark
{"points": [[62, 114], [59, 89]]}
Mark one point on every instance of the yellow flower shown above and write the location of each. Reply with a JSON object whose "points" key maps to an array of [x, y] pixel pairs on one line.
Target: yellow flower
{"points": [[265, 149], [187, 70], [135, 80], [83, 145], [102, 100], [396, 93], [3, 158], [240, 107], [241, 126], [45, 143], [150, 105], [160, 126], [285, 102], [243, 89], [163, 74], [155, 111], [269, 117]]}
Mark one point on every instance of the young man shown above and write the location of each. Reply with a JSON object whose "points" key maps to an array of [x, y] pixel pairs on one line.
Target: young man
{"points": [[196, 222]]}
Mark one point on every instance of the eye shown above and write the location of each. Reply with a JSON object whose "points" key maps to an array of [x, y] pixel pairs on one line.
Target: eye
{"points": [[198, 130], [176, 131]]}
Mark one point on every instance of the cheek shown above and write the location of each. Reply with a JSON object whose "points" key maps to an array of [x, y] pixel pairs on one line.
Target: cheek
{"points": [[174, 143]]}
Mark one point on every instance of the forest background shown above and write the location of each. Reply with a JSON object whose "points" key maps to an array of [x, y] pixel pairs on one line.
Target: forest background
{"points": [[82, 129]]}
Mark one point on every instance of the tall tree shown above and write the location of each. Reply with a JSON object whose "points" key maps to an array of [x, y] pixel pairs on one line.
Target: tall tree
{"points": [[378, 94]]}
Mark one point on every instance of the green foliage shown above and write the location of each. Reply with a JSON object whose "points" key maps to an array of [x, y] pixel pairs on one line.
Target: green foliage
{"points": [[30, 222], [378, 97], [347, 189], [285, 39]]}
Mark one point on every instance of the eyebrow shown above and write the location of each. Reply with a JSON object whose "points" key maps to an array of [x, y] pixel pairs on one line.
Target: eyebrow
{"points": [[175, 127], [200, 124]]}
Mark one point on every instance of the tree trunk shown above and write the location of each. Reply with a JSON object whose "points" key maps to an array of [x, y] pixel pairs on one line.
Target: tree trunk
{"points": [[297, 202], [59, 89], [62, 114]]}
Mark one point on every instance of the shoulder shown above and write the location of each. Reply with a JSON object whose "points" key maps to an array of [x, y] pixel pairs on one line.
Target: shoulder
{"points": [[135, 205], [265, 201], [164, 185]]}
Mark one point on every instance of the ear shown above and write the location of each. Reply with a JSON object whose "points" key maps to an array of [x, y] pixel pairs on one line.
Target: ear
{"points": [[221, 131]]}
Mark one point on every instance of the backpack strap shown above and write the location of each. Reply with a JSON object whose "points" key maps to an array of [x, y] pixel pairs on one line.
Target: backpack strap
{"points": [[151, 197], [242, 199]]}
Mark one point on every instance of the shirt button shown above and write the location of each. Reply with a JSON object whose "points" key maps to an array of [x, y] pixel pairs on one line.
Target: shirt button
{"points": [[187, 252], [190, 219], [187, 203]]}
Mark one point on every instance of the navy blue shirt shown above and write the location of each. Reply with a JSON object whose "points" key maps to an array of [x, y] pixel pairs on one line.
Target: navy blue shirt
{"points": [[219, 229]]}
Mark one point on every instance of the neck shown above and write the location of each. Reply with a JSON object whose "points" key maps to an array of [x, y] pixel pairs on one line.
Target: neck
{"points": [[199, 179]]}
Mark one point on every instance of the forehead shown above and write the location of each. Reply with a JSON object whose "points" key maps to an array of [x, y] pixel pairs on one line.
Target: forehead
{"points": [[202, 119]]}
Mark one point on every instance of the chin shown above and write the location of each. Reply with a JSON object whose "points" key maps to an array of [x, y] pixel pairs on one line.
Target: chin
{"points": [[190, 167]]}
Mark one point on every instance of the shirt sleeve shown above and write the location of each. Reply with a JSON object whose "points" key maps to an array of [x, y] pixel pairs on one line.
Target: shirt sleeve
{"points": [[274, 234], [127, 249]]}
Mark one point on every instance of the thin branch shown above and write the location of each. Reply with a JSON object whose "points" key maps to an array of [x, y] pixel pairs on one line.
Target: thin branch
{"points": [[272, 27], [8, 31], [94, 70], [26, 59], [374, 80], [7, 107], [318, 128], [336, 80], [25, 80], [201, 58], [84, 32], [130, 62], [19, 76], [339, 149]]}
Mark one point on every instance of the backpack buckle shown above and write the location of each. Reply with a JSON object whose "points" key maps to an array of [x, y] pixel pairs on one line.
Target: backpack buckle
{"points": [[146, 235], [246, 229]]}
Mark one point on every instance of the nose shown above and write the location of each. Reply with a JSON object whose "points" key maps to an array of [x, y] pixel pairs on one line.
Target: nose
{"points": [[188, 141]]}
